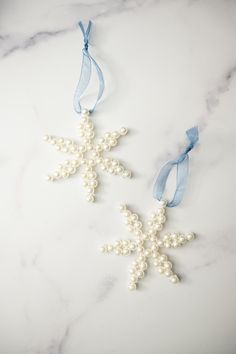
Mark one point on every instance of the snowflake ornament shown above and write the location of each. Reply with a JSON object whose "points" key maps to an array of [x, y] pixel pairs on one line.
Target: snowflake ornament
{"points": [[87, 156], [148, 245]]}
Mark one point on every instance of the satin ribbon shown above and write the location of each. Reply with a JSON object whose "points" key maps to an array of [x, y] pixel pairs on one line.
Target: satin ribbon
{"points": [[182, 165], [85, 74]]}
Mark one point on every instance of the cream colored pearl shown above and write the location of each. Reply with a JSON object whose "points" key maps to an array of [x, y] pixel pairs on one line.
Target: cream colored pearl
{"points": [[147, 245], [85, 112], [163, 258], [141, 258], [140, 274], [122, 207], [167, 265], [147, 252], [115, 135], [123, 131], [190, 236], [174, 279], [160, 270], [126, 174], [163, 203], [168, 273], [132, 286], [90, 198], [143, 265], [133, 278], [155, 262]]}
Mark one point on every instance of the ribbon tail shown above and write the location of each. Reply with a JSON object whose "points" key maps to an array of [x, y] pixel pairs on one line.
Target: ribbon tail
{"points": [[161, 180], [101, 83], [181, 182], [85, 74], [182, 164], [84, 80], [193, 135]]}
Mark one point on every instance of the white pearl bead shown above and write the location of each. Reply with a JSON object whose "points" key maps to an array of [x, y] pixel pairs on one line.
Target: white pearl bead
{"points": [[127, 213], [157, 227], [122, 207], [90, 198], [123, 131], [85, 112], [143, 265], [115, 135], [144, 237], [174, 279], [163, 258], [155, 255], [155, 262], [133, 278], [140, 249], [141, 258], [167, 265], [168, 273], [132, 286], [161, 219], [126, 174], [163, 203], [140, 274], [190, 236], [147, 252]]}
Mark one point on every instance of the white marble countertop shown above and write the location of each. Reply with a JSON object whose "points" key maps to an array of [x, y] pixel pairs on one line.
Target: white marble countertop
{"points": [[168, 65]]}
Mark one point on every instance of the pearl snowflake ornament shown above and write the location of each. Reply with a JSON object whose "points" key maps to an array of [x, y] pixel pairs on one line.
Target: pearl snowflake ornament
{"points": [[148, 245], [87, 156]]}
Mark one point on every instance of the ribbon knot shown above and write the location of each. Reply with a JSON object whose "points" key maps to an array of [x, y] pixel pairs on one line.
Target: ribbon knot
{"points": [[86, 44], [182, 164], [85, 74]]}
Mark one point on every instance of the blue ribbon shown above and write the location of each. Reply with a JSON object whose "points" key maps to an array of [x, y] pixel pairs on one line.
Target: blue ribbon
{"points": [[85, 74], [182, 165]]}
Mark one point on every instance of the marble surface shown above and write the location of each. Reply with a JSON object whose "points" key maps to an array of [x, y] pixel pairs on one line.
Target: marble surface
{"points": [[168, 66]]}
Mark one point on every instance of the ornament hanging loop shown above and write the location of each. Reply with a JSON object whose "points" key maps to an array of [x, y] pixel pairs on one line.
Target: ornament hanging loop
{"points": [[85, 74], [182, 165]]}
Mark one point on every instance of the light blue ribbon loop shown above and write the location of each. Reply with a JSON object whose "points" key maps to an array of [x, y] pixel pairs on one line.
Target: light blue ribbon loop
{"points": [[85, 74], [182, 165]]}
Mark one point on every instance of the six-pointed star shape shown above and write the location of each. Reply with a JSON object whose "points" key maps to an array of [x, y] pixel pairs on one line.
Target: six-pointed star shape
{"points": [[88, 155], [148, 245]]}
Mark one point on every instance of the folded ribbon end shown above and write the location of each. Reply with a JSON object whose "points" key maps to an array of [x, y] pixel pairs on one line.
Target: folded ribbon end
{"points": [[193, 135]]}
